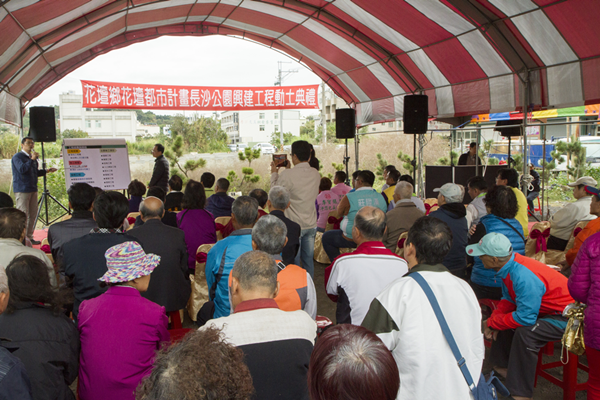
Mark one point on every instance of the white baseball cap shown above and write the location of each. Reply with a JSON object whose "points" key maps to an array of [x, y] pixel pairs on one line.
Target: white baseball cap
{"points": [[451, 190]]}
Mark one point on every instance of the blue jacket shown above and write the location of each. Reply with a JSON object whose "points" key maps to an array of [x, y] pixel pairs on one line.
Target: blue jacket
{"points": [[219, 204], [493, 223], [219, 263], [25, 173]]}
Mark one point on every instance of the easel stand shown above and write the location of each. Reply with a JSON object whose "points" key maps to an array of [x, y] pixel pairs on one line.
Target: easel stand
{"points": [[43, 201]]}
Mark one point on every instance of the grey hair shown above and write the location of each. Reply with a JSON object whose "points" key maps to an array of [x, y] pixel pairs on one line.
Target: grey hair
{"points": [[245, 210], [255, 270], [269, 234], [149, 213], [370, 221], [3, 281], [280, 197], [404, 190]]}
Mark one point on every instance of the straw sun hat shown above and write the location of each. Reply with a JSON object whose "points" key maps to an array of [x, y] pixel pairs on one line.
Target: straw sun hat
{"points": [[128, 261]]}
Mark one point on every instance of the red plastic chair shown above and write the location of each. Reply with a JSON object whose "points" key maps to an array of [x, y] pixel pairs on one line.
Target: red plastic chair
{"points": [[177, 334], [569, 383], [175, 319]]}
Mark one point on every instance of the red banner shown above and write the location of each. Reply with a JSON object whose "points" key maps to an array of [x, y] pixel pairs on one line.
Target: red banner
{"points": [[201, 98]]}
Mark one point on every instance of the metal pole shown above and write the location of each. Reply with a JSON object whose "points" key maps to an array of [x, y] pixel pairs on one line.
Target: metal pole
{"points": [[543, 134], [280, 112], [414, 158], [323, 117], [525, 114], [477, 154], [356, 140]]}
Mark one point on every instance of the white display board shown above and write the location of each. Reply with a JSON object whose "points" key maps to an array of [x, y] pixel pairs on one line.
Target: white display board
{"points": [[99, 162]]}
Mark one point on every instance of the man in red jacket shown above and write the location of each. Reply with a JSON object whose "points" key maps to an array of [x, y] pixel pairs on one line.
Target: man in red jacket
{"points": [[529, 314]]}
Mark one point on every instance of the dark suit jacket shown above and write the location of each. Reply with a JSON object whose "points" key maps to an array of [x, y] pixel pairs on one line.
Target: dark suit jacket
{"points": [[170, 219], [173, 201], [169, 282], [293, 234], [81, 223], [160, 175], [84, 263]]}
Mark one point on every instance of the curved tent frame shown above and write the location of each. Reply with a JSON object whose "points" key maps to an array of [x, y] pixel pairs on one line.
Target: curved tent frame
{"points": [[468, 56]]}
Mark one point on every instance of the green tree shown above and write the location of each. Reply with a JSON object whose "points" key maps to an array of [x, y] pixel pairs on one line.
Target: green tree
{"points": [[446, 161], [249, 155], [575, 153], [287, 139], [381, 164], [74, 134], [406, 162], [176, 152]]}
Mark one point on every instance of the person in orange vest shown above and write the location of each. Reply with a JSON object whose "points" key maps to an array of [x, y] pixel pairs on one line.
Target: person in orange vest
{"points": [[296, 287]]}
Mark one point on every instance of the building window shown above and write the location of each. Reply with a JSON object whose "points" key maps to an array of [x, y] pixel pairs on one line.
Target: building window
{"points": [[390, 124], [261, 116], [88, 123], [261, 127], [276, 128], [98, 124], [276, 116]]}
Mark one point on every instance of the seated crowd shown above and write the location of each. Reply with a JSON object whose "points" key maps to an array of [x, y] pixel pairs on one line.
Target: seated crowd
{"points": [[100, 313]]}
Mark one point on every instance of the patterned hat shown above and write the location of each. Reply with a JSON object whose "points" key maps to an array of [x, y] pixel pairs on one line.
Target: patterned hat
{"points": [[128, 261]]}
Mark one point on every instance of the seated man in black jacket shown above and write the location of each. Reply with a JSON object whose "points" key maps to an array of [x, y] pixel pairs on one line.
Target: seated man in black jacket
{"points": [[84, 260], [219, 204], [279, 200], [453, 212], [169, 282], [170, 218], [81, 200]]}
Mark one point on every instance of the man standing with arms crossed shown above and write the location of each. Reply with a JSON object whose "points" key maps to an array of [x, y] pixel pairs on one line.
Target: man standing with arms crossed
{"points": [[25, 173], [302, 182]]}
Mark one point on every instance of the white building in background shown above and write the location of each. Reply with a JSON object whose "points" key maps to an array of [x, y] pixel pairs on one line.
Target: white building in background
{"points": [[332, 103], [147, 130], [97, 124], [258, 126]]}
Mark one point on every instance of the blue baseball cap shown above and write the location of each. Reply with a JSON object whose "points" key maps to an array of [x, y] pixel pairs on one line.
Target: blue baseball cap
{"points": [[493, 244]]}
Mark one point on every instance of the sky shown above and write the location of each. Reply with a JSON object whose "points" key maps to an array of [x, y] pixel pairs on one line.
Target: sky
{"points": [[197, 61]]}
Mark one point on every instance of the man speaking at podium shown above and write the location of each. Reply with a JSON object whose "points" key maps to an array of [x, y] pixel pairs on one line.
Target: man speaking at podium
{"points": [[25, 173]]}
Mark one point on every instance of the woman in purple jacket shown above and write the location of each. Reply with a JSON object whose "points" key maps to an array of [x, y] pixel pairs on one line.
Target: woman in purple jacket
{"points": [[197, 223], [584, 285], [120, 330]]}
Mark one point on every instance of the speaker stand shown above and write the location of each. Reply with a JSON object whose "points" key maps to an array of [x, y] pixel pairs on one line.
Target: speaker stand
{"points": [[46, 196], [346, 161]]}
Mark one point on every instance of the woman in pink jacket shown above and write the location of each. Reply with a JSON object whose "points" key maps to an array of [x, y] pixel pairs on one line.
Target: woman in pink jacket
{"points": [[120, 330], [584, 285]]}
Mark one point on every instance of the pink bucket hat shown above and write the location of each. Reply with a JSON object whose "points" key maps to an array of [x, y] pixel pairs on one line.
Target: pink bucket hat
{"points": [[128, 261]]}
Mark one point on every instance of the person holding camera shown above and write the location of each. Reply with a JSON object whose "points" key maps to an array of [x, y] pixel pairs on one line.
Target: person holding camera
{"points": [[25, 173], [302, 182]]}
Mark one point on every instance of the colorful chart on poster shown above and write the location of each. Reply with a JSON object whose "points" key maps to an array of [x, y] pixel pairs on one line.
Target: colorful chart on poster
{"points": [[102, 163]]}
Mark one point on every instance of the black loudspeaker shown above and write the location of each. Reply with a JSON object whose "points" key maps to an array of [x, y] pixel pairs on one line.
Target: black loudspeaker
{"points": [[345, 123], [416, 112], [509, 132], [42, 125]]}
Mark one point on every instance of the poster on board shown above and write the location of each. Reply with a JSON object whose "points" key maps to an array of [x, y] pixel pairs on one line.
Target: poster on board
{"points": [[102, 163]]}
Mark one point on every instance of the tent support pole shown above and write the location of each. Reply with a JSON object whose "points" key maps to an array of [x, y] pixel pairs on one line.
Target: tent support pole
{"points": [[525, 114]]}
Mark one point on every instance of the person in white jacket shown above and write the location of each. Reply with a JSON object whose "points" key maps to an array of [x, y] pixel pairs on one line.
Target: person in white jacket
{"points": [[564, 220], [404, 320]]}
